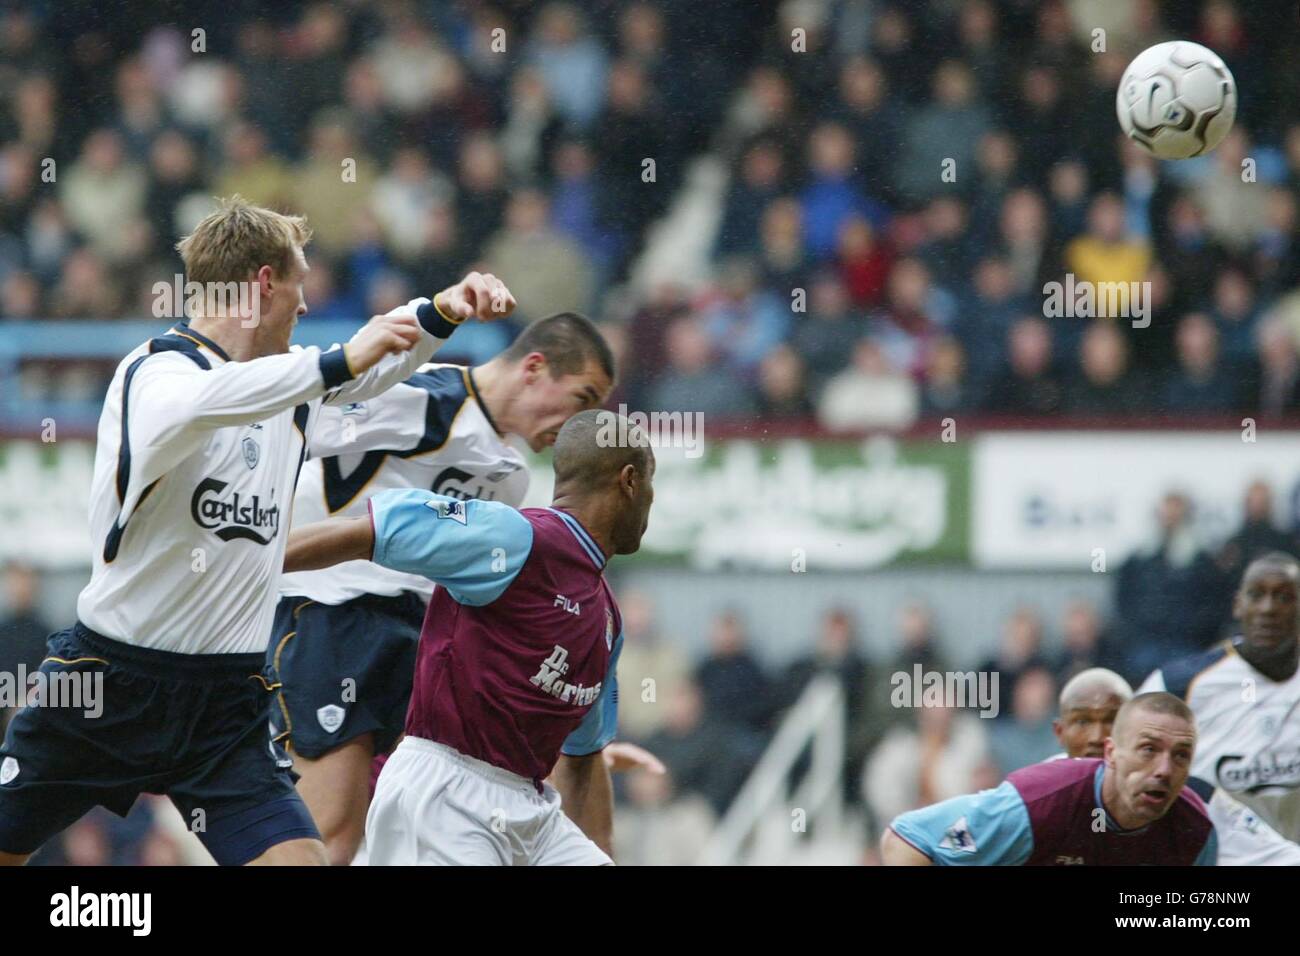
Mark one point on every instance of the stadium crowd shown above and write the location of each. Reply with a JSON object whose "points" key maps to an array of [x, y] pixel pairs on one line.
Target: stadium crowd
{"points": [[881, 250]]}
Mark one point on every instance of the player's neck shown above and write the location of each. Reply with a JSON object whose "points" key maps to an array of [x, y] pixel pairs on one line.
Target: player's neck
{"points": [[592, 515], [1277, 664], [493, 387], [235, 340]]}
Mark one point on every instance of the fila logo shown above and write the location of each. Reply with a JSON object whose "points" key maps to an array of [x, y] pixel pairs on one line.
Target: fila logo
{"points": [[571, 606], [1069, 860]]}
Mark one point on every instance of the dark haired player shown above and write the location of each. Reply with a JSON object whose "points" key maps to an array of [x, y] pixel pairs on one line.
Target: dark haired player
{"points": [[515, 672], [1128, 808], [344, 639]]}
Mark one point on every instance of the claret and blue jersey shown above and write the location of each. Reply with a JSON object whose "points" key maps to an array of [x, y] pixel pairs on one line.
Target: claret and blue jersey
{"points": [[1051, 814], [518, 652]]}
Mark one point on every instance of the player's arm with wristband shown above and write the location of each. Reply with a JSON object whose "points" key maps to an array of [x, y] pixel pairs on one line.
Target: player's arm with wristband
{"points": [[989, 828], [478, 295]]}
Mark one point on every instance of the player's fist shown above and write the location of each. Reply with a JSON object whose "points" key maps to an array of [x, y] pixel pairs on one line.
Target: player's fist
{"points": [[480, 295], [382, 335]]}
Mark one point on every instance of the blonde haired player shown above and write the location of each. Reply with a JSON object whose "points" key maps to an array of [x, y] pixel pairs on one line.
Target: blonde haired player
{"points": [[200, 441]]}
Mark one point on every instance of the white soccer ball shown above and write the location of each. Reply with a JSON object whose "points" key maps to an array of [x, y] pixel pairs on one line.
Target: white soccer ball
{"points": [[1177, 100]]}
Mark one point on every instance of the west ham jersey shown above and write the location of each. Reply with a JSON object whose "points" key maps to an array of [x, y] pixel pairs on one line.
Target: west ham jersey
{"points": [[517, 655], [431, 432]]}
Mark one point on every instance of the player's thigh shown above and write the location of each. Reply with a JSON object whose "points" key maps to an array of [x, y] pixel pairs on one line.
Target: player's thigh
{"points": [[336, 789], [427, 811], [561, 842], [293, 853], [243, 803]]}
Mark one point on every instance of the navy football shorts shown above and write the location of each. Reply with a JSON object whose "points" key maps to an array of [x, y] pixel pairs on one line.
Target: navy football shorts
{"points": [[191, 726], [344, 670]]}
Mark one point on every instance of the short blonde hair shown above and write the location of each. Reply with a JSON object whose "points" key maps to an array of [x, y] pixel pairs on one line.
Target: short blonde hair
{"points": [[238, 238]]}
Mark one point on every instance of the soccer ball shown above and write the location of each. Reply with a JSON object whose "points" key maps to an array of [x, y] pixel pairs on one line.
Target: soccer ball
{"points": [[1177, 100]]}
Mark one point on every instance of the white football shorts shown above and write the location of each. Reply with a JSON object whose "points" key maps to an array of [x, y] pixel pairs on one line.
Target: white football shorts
{"points": [[434, 806]]}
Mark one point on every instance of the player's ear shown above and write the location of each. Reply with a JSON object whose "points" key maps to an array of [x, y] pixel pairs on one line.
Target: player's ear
{"points": [[1056, 729], [534, 365]]}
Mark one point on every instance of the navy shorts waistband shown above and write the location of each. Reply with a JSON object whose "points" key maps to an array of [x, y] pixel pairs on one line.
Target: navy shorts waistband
{"points": [[156, 663]]}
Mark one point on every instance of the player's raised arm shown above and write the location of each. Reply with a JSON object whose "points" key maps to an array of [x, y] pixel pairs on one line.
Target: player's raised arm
{"points": [[427, 323], [326, 543]]}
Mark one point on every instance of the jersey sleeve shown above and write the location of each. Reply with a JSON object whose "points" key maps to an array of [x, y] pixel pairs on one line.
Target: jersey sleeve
{"points": [[1244, 838], [989, 828], [394, 368], [600, 724], [393, 421], [474, 549]]}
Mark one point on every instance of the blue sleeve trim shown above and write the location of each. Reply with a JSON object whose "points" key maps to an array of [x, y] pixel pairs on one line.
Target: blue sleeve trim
{"points": [[433, 322], [334, 368], [599, 726], [989, 828]]}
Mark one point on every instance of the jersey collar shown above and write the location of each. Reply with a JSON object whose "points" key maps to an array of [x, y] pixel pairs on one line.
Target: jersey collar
{"points": [[183, 329], [580, 533], [472, 386]]}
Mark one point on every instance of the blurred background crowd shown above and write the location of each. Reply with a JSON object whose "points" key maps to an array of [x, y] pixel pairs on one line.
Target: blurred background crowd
{"points": [[849, 283]]}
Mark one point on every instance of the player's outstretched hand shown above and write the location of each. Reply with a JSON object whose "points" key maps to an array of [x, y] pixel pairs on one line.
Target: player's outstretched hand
{"points": [[480, 295], [621, 757], [382, 335]]}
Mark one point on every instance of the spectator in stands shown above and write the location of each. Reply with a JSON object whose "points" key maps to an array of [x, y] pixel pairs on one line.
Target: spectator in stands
{"points": [[864, 261], [705, 755], [549, 272], [782, 393], [871, 393], [1201, 383], [946, 389], [832, 196], [917, 644], [1275, 388], [1161, 605], [943, 134], [1258, 535], [572, 63], [650, 669], [871, 115], [102, 192], [743, 320], [1084, 643], [1027, 736], [782, 256], [736, 689], [760, 180], [1105, 388], [830, 322], [335, 183], [1030, 383], [1107, 252], [1234, 315], [692, 383], [1020, 651]]}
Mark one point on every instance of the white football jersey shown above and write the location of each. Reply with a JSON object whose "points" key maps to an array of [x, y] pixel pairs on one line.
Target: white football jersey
{"points": [[432, 432], [1248, 731], [195, 467], [1245, 839]]}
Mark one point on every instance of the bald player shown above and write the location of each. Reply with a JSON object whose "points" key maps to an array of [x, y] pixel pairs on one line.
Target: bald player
{"points": [[1245, 693], [1128, 808], [515, 669], [1089, 703]]}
